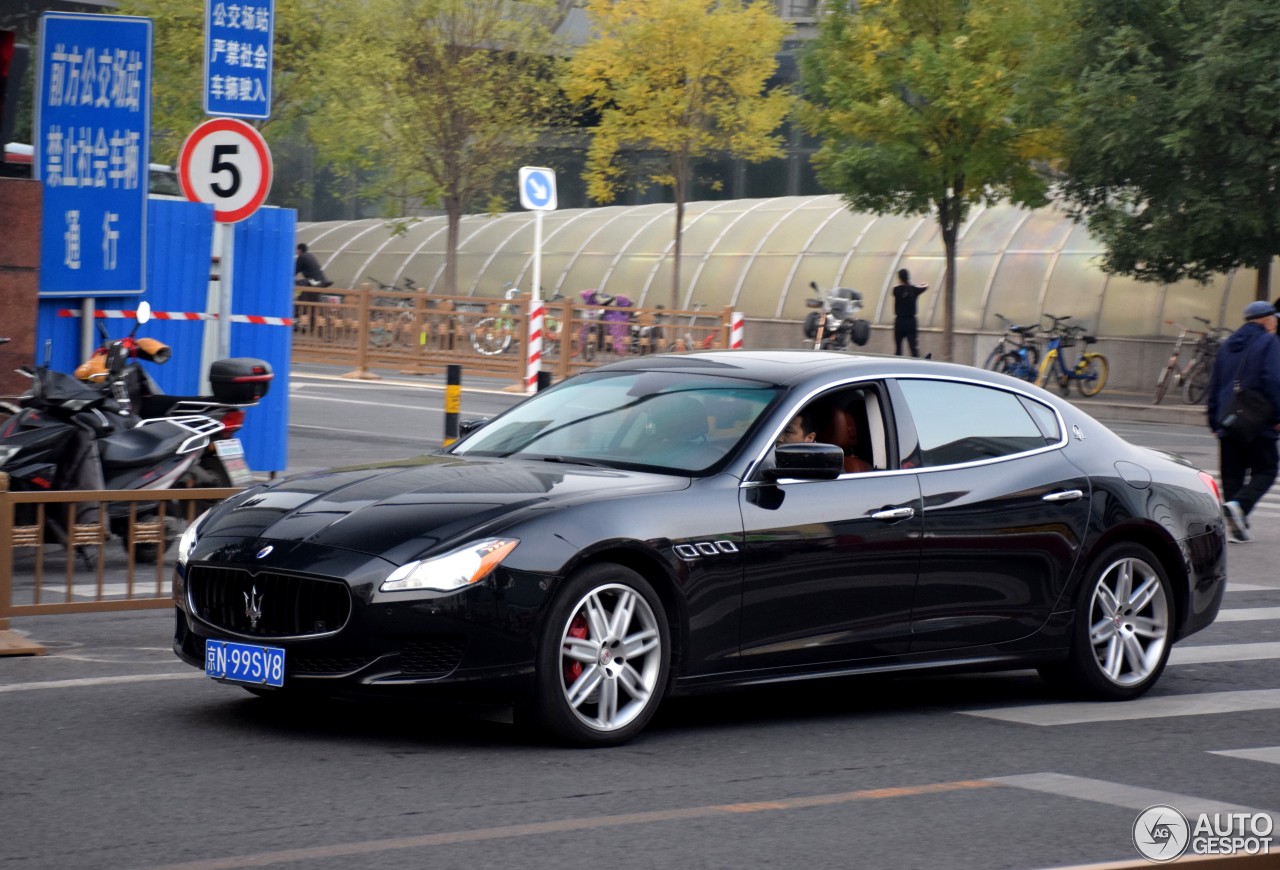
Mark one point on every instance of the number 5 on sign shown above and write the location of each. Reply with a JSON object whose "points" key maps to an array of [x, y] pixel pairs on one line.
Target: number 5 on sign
{"points": [[226, 163]]}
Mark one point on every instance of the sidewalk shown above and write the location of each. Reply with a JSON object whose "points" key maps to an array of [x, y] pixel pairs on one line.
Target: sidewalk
{"points": [[1135, 406]]}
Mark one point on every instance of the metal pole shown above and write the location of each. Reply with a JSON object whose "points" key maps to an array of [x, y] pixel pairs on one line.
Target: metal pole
{"points": [[452, 401]]}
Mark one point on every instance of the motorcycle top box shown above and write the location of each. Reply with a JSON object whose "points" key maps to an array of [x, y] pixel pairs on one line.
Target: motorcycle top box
{"points": [[240, 380]]}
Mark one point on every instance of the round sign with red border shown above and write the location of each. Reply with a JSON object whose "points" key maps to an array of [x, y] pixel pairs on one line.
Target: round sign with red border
{"points": [[226, 163]]}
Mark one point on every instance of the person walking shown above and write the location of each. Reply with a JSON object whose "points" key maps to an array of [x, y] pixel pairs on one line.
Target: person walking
{"points": [[1248, 360], [904, 313]]}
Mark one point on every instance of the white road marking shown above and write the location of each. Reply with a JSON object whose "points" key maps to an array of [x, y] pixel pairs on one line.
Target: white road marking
{"points": [[1269, 754], [1248, 614], [1116, 793], [1141, 708], [1233, 586], [1223, 652], [99, 681]]}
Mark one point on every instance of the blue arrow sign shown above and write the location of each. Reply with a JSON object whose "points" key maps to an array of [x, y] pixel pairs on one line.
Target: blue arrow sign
{"points": [[538, 188], [93, 134]]}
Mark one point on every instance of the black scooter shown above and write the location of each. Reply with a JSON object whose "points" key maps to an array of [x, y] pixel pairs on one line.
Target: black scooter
{"points": [[70, 435]]}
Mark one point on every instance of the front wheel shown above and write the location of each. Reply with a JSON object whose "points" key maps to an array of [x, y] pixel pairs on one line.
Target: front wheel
{"points": [[1166, 378], [488, 337], [1091, 374], [1195, 384], [1046, 368], [1123, 627], [603, 659]]}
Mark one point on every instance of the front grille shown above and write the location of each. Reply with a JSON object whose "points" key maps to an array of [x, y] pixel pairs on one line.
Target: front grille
{"points": [[267, 603], [294, 666], [436, 657]]}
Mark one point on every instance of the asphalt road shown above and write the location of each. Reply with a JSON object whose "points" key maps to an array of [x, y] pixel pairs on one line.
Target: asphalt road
{"points": [[117, 756]]}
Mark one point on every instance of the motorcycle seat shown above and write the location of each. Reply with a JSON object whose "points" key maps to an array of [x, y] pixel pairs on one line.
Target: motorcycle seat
{"points": [[141, 446]]}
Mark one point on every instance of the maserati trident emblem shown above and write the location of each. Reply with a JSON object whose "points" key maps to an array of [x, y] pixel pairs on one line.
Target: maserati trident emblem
{"points": [[253, 607], [265, 551]]}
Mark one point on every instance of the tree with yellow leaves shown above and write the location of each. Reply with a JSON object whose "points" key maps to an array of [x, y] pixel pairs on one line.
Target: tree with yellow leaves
{"points": [[684, 79], [930, 106]]}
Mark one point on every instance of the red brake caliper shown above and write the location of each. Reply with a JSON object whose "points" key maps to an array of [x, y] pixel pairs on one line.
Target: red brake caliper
{"points": [[578, 629]]}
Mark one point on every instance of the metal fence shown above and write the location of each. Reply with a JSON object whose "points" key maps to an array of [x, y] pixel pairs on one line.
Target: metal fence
{"points": [[59, 553], [419, 333]]}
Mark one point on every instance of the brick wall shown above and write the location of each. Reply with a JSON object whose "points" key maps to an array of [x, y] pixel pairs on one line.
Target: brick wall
{"points": [[19, 272]]}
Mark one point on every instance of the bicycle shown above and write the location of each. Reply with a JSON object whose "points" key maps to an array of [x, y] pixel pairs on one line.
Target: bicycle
{"points": [[390, 317], [1090, 368], [1170, 374], [492, 335], [1017, 354], [1195, 378]]}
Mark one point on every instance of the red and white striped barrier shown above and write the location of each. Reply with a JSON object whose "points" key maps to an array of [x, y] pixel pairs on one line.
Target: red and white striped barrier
{"points": [[533, 360], [128, 314], [736, 323]]}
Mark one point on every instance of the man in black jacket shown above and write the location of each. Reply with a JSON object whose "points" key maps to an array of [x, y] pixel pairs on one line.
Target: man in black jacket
{"points": [[904, 313], [1249, 359]]}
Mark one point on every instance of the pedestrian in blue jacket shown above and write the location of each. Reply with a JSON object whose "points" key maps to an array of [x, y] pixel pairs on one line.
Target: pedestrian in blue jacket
{"points": [[1250, 355]]}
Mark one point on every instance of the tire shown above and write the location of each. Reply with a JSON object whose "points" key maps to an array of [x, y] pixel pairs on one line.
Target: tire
{"points": [[597, 683], [208, 472], [1162, 383], [1118, 654], [992, 363], [1095, 369], [811, 324], [1008, 364], [1195, 384], [488, 338], [860, 332]]}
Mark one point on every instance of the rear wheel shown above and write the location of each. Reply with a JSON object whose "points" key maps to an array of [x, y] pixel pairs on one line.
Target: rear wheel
{"points": [[1195, 384], [995, 358], [1123, 627], [1092, 374], [489, 338], [603, 659]]}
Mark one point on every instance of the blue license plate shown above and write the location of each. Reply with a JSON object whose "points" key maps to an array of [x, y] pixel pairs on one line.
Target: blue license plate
{"points": [[244, 663]]}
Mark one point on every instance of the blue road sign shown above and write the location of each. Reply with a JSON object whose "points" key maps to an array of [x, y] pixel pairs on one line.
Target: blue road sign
{"points": [[538, 188], [238, 50], [93, 135]]}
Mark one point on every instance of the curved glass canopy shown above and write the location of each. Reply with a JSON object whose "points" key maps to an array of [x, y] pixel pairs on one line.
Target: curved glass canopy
{"points": [[760, 255]]}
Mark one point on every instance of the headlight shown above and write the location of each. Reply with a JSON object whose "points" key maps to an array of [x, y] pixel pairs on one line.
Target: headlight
{"points": [[453, 570], [189, 537]]}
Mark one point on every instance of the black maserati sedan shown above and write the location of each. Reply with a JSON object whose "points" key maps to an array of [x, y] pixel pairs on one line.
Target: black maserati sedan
{"points": [[680, 523]]}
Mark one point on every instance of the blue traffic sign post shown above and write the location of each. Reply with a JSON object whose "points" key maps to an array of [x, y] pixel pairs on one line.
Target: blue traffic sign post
{"points": [[93, 134], [238, 53]]}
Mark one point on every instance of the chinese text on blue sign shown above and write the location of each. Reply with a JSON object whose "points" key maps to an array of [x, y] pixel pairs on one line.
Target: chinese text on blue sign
{"points": [[93, 129], [237, 58]]}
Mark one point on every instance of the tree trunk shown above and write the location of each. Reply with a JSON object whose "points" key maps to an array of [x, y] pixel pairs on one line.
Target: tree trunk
{"points": [[453, 217], [675, 267], [1263, 287], [949, 214]]}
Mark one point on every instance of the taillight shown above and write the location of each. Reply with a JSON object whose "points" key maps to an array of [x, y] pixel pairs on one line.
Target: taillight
{"points": [[1207, 479], [232, 421]]}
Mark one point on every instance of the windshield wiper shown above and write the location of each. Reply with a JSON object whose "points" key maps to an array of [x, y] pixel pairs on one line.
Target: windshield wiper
{"points": [[573, 460]]}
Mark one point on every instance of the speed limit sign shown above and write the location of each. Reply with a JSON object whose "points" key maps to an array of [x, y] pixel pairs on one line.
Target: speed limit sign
{"points": [[226, 163]]}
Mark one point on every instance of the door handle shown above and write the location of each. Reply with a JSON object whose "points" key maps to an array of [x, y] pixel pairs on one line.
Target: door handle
{"points": [[1065, 495], [901, 513]]}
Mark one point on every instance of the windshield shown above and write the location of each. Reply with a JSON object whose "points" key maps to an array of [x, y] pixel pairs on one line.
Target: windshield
{"points": [[666, 420]]}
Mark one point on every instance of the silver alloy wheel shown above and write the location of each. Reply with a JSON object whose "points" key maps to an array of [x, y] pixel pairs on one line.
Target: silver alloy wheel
{"points": [[611, 657], [1128, 621]]}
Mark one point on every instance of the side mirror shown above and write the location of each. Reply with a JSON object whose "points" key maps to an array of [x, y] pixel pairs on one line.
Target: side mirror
{"points": [[806, 461], [466, 427], [144, 311]]}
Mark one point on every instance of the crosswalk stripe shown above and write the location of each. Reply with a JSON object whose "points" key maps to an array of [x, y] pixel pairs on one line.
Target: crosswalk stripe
{"points": [[1269, 754], [1116, 793], [1248, 614], [1079, 713], [1223, 652]]}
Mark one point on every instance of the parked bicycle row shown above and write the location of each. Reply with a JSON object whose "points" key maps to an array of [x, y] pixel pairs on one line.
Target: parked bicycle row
{"points": [[406, 328], [1020, 353]]}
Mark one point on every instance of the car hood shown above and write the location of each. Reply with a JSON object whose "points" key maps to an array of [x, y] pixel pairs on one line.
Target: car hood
{"points": [[403, 508]]}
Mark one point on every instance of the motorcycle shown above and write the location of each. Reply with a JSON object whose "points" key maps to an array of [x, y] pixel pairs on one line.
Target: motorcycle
{"points": [[69, 435], [238, 384], [836, 322]]}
